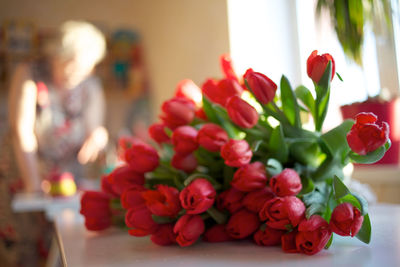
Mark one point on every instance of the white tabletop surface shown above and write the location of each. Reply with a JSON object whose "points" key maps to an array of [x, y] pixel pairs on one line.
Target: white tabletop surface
{"points": [[116, 248]]}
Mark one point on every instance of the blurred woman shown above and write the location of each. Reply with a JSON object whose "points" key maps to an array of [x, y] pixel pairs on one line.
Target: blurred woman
{"points": [[56, 112], [56, 106]]}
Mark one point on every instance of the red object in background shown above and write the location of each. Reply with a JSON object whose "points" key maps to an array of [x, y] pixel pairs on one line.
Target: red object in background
{"points": [[388, 111]]}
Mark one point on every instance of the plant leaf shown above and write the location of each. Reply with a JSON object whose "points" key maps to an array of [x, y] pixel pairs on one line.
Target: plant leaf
{"points": [[364, 234], [371, 157], [335, 140], [307, 185], [289, 103], [306, 97], [329, 242], [278, 146], [208, 109], [274, 167], [339, 188]]}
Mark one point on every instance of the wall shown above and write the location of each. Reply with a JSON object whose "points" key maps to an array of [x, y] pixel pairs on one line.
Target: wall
{"points": [[182, 38]]}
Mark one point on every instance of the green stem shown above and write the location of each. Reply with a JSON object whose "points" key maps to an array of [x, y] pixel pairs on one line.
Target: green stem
{"points": [[218, 216]]}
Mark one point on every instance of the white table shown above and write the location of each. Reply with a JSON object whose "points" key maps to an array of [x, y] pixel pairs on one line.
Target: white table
{"points": [[116, 248]]}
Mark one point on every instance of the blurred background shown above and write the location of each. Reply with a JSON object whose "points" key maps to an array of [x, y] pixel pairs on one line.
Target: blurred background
{"points": [[153, 44]]}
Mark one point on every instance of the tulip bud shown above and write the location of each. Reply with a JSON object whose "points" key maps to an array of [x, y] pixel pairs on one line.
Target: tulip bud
{"points": [[254, 201], [142, 157], [216, 234], [313, 234], [198, 196], [230, 200], [365, 135], [242, 224], [188, 228], [177, 111], [268, 236], [263, 88], [164, 235], [288, 242], [132, 198], [316, 65], [187, 163], [124, 177], [189, 90], [219, 92], [279, 213], [212, 137], [227, 67], [287, 183], [346, 220], [241, 112], [184, 139], [164, 201], [158, 134], [250, 177], [95, 207], [142, 222], [236, 153]]}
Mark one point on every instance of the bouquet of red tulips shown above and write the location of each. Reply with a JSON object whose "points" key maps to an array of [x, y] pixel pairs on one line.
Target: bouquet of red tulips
{"points": [[232, 161]]}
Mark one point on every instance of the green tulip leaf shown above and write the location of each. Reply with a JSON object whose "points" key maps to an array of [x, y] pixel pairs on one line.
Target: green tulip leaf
{"points": [[307, 185], [371, 157], [364, 234], [306, 97], [289, 103], [210, 112], [278, 146], [274, 167], [329, 243], [339, 188], [162, 219], [335, 140]]}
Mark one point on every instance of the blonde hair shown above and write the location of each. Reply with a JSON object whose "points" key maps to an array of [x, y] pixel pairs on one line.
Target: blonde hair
{"points": [[78, 39]]}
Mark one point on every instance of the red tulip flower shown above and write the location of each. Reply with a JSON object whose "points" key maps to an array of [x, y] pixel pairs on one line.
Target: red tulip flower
{"points": [[106, 187], [132, 198], [263, 88], [189, 90], [220, 91], [366, 136], [177, 111], [142, 157], [287, 183], [346, 220], [184, 139], [241, 113], [316, 65], [217, 234], [313, 234], [242, 224], [227, 67], [288, 242], [141, 221], [230, 200], [164, 235], [212, 137], [189, 228], [158, 134], [236, 153], [281, 212], [254, 201], [250, 177], [95, 207], [184, 162], [198, 196], [201, 114], [268, 237], [124, 177], [164, 201]]}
